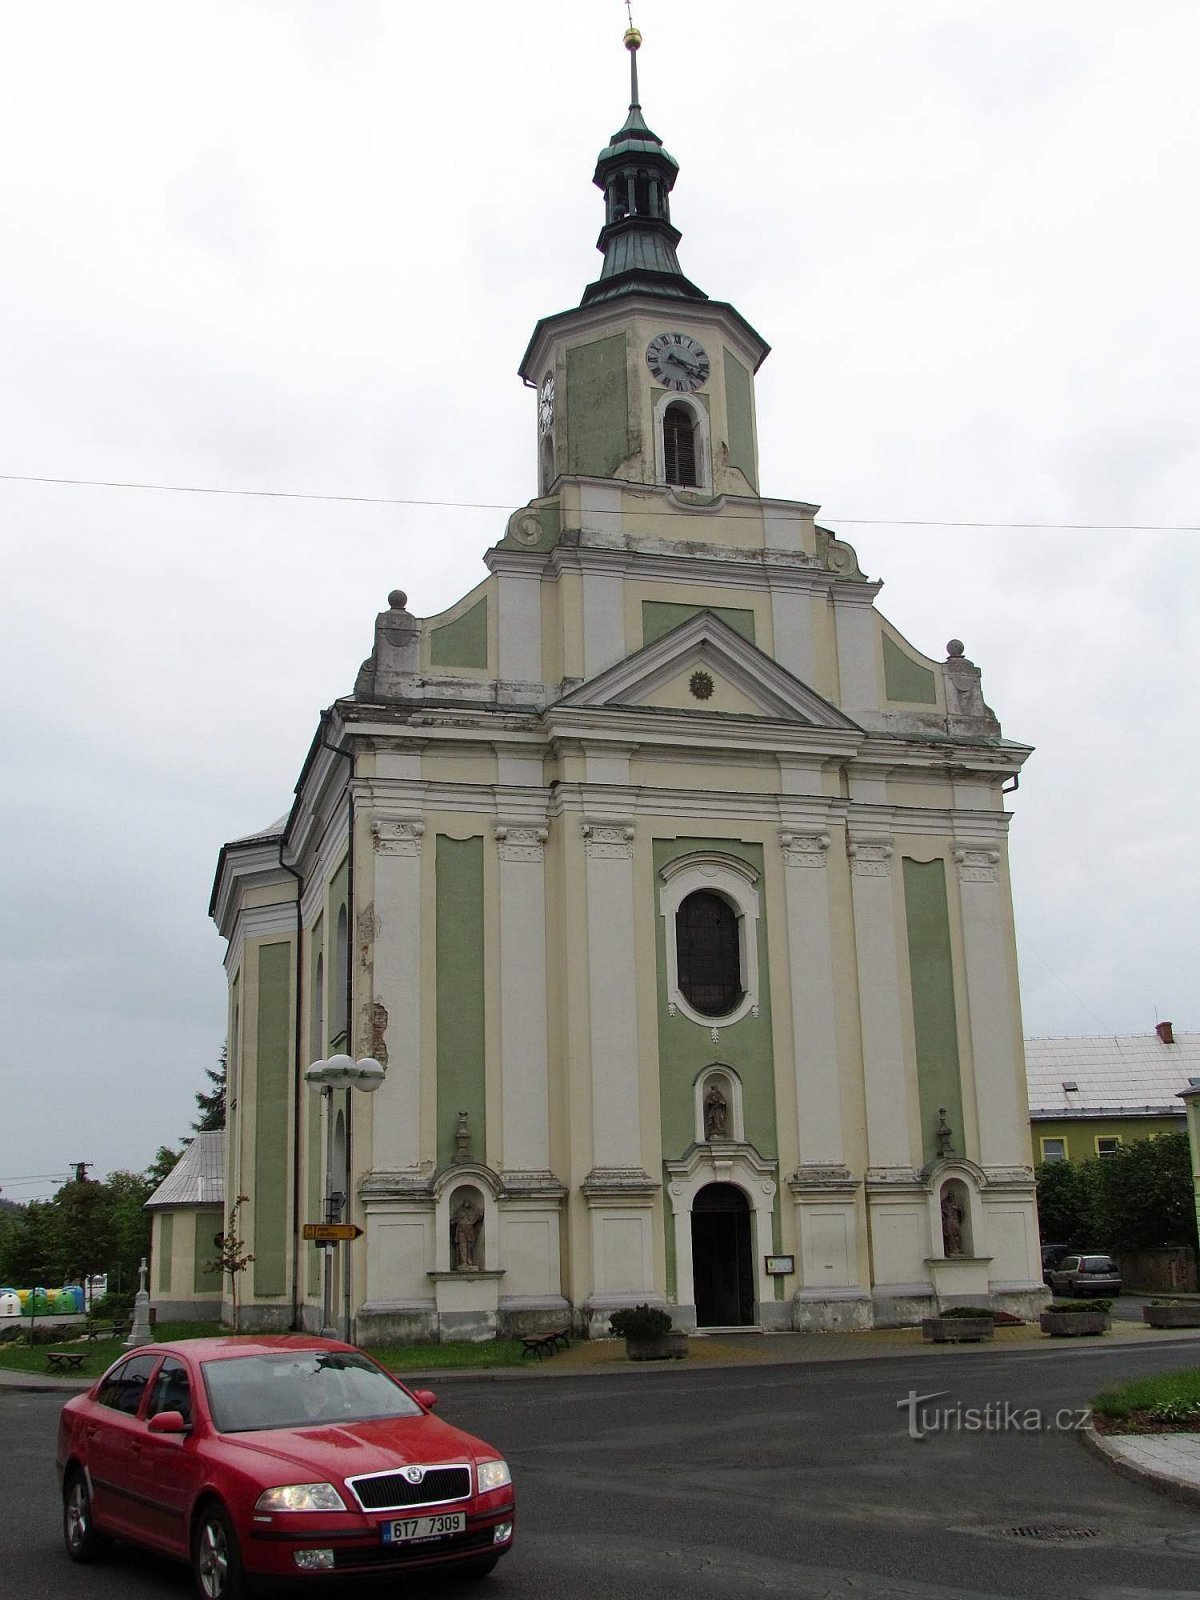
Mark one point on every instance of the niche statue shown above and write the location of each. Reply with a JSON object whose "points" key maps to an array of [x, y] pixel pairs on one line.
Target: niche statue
{"points": [[716, 1113], [464, 1226]]}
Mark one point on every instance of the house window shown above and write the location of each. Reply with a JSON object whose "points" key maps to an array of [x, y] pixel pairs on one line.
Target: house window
{"points": [[1054, 1149], [679, 446], [708, 954], [1106, 1145]]}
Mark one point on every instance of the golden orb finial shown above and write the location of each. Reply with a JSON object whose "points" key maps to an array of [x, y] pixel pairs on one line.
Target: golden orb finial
{"points": [[632, 38]]}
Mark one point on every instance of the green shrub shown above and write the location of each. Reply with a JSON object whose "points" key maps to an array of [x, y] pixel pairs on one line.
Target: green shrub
{"points": [[642, 1322], [112, 1307], [968, 1311], [1057, 1306], [1175, 1409]]}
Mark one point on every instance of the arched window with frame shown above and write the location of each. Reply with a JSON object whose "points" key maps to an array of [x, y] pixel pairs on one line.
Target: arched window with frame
{"points": [[708, 954], [679, 446]]}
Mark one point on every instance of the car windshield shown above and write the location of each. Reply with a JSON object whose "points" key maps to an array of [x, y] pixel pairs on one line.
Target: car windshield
{"points": [[300, 1388], [1098, 1264]]}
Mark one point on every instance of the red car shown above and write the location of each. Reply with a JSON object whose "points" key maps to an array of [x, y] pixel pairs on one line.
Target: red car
{"points": [[280, 1457]]}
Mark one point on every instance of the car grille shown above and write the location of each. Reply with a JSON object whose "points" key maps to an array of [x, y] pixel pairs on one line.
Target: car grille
{"points": [[392, 1491]]}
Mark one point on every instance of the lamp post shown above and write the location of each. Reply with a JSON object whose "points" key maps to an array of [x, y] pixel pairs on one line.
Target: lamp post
{"points": [[339, 1072]]}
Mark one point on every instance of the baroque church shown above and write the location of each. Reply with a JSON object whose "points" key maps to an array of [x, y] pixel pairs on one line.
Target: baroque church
{"points": [[658, 891]]}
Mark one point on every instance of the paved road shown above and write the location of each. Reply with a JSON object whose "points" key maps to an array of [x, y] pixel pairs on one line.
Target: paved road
{"points": [[796, 1482]]}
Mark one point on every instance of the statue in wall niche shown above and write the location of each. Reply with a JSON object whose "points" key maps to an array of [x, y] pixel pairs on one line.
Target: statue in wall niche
{"points": [[464, 1226], [716, 1112], [945, 1134], [462, 1139], [953, 1218]]}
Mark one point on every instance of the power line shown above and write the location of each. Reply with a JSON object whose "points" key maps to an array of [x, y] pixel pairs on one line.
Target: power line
{"points": [[490, 505]]}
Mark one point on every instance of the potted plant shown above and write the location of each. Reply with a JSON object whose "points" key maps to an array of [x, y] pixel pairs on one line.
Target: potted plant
{"points": [[648, 1334], [960, 1325], [1066, 1318], [1172, 1314]]}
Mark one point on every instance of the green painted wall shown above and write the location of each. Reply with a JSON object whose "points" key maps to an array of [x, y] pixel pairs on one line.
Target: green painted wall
{"points": [[597, 407], [1081, 1133], [166, 1243], [660, 616], [739, 408], [935, 1020], [318, 1047], [458, 949], [463, 642], [685, 1047], [271, 1120], [208, 1225], [904, 678]]}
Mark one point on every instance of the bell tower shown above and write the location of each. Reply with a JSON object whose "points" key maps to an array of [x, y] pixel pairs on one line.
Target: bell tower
{"points": [[647, 381]]}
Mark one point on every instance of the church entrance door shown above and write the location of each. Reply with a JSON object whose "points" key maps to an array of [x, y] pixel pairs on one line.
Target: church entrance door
{"points": [[722, 1257]]}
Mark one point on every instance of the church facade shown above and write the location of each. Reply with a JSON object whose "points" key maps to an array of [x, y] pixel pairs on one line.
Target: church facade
{"points": [[665, 881]]}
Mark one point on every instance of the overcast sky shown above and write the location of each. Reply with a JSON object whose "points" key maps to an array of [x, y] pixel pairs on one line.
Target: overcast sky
{"points": [[300, 246]]}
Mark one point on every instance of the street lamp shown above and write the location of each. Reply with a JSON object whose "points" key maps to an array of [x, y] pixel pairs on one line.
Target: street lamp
{"points": [[339, 1072]]}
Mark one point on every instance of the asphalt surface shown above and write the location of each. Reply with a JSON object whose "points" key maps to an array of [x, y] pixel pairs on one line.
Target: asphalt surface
{"points": [[797, 1481]]}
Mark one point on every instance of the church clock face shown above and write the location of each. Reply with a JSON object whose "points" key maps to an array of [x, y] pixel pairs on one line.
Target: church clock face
{"points": [[546, 404], [677, 361]]}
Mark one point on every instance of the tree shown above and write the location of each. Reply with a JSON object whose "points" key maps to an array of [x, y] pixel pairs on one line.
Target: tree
{"points": [[233, 1258], [83, 1232], [131, 1223], [162, 1164], [1066, 1202], [212, 1105], [1147, 1197]]}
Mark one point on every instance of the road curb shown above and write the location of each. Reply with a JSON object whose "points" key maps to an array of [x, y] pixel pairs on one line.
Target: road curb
{"points": [[1166, 1483]]}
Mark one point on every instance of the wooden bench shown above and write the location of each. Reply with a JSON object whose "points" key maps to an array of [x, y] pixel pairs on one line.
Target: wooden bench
{"points": [[64, 1360], [106, 1330], [544, 1344]]}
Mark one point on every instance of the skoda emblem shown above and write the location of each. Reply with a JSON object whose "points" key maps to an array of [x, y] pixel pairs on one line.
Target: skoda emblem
{"points": [[414, 1474]]}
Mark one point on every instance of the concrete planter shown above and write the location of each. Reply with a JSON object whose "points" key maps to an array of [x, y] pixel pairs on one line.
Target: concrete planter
{"points": [[1067, 1324], [957, 1330], [666, 1347], [1180, 1316]]}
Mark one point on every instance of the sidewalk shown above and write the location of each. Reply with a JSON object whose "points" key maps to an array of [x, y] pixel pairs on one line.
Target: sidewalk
{"points": [[1168, 1461]]}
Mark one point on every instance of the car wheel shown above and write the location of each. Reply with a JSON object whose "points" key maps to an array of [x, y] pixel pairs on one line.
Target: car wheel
{"points": [[79, 1531], [216, 1559]]}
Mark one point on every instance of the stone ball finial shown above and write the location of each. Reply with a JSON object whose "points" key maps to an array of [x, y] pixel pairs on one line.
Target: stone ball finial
{"points": [[397, 599], [955, 647]]}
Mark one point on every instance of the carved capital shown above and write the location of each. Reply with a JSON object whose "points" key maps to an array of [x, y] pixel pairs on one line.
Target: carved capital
{"points": [[608, 841], [870, 858], [977, 866], [804, 849], [393, 837], [520, 843]]}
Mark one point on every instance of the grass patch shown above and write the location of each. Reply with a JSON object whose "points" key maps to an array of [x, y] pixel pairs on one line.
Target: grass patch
{"points": [[16, 1355], [402, 1358], [1138, 1399]]}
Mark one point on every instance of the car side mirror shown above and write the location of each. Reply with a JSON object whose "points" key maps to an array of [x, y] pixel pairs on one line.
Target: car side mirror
{"points": [[425, 1397], [168, 1422]]}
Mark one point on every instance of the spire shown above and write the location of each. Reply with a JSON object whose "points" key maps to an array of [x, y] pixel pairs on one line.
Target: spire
{"points": [[637, 239]]}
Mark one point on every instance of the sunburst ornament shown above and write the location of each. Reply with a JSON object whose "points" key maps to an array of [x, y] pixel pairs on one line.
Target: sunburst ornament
{"points": [[701, 685]]}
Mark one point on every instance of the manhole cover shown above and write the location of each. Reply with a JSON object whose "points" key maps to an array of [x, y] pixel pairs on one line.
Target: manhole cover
{"points": [[1050, 1530]]}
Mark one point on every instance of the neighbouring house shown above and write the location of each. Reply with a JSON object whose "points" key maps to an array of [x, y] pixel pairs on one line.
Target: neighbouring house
{"points": [[1090, 1096], [187, 1213], [658, 889]]}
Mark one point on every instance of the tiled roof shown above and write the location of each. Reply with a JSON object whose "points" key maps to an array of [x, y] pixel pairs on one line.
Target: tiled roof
{"points": [[271, 831], [197, 1178], [1127, 1075]]}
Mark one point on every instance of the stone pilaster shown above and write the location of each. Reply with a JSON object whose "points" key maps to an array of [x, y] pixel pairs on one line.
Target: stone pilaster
{"points": [[396, 1105], [524, 1055], [810, 951]]}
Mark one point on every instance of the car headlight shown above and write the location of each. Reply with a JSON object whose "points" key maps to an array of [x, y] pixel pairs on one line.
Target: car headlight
{"points": [[300, 1497], [493, 1475]]}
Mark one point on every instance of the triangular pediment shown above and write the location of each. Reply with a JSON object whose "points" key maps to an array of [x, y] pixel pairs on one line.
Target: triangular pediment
{"points": [[704, 665]]}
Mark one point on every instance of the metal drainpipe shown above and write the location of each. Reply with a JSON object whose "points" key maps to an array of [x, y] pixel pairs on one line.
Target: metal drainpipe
{"points": [[298, 1082], [347, 755]]}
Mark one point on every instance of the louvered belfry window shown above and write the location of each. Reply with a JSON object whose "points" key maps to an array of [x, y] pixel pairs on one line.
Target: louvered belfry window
{"points": [[708, 954], [679, 446]]}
